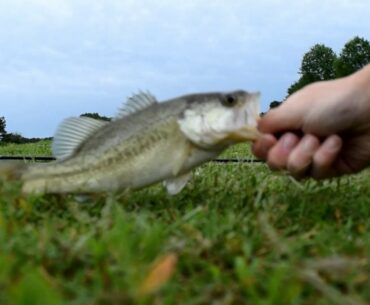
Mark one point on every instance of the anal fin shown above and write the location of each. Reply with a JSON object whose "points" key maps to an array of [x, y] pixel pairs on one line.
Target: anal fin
{"points": [[175, 185]]}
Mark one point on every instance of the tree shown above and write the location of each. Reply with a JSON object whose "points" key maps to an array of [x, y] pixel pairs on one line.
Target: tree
{"points": [[317, 64], [95, 115], [2, 127], [303, 81], [275, 104], [354, 55], [14, 138]]}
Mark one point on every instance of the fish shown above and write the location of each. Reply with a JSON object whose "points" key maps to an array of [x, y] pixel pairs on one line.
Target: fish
{"points": [[147, 142]]}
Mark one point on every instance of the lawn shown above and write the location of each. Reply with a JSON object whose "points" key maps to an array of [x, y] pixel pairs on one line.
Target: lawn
{"points": [[238, 234], [42, 148]]}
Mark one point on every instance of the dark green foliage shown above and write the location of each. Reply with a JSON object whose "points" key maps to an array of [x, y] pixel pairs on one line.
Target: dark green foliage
{"points": [[275, 104], [12, 138], [2, 126], [16, 138], [303, 81], [354, 56], [317, 64], [321, 63], [95, 115]]}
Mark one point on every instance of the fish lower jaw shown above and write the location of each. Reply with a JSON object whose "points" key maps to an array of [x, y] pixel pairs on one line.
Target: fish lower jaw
{"points": [[244, 134]]}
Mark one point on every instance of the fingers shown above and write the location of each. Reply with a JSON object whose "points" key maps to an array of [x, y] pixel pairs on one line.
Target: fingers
{"points": [[312, 159], [278, 155], [325, 158], [262, 146], [302, 157]]}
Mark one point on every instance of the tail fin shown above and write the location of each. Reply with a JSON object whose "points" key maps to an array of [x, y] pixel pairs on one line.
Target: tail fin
{"points": [[12, 170]]}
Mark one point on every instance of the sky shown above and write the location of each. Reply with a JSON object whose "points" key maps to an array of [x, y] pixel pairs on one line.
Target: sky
{"points": [[61, 58]]}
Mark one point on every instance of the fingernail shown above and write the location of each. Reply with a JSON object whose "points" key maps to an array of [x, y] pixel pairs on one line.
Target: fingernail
{"points": [[309, 143], [332, 144], [288, 141]]}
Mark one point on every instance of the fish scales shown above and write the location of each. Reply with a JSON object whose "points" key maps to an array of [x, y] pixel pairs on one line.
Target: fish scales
{"points": [[104, 146], [146, 143], [137, 156], [126, 127]]}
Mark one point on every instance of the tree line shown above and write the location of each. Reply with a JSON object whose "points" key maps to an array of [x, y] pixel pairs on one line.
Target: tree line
{"points": [[12, 137], [321, 63]]}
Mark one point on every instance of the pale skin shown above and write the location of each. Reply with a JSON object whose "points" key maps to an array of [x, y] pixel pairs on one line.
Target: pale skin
{"points": [[321, 131]]}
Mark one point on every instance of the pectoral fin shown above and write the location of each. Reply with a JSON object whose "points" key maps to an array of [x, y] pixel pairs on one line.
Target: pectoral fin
{"points": [[175, 185]]}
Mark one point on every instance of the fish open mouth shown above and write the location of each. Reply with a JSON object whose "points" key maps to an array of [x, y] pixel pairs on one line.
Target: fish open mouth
{"points": [[248, 131]]}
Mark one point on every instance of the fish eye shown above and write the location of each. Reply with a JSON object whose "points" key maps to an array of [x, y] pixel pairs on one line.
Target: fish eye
{"points": [[229, 100]]}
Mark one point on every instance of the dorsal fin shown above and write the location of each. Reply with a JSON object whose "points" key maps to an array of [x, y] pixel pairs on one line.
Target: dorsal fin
{"points": [[71, 133], [136, 103]]}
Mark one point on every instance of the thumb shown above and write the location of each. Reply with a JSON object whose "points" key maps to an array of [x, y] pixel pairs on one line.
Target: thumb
{"points": [[287, 116]]}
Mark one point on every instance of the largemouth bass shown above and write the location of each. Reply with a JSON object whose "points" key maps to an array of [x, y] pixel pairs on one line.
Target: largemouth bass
{"points": [[147, 142]]}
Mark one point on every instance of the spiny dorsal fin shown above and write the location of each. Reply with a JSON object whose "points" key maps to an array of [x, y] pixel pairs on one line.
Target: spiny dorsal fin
{"points": [[71, 133], [136, 103]]}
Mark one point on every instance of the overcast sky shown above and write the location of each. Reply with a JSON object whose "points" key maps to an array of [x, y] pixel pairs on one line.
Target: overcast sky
{"points": [[61, 58]]}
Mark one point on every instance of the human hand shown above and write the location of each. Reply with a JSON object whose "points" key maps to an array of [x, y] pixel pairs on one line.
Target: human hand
{"points": [[320, 131]]}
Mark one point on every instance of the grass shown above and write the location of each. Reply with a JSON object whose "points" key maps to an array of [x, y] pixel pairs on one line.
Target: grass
{"points": [[238, 234], [42, 148]]}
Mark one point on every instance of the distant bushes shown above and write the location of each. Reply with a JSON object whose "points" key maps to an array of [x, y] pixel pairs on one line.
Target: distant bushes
{"points": [[12, 137], [19, 139], [95, 115], [16, 138]]}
